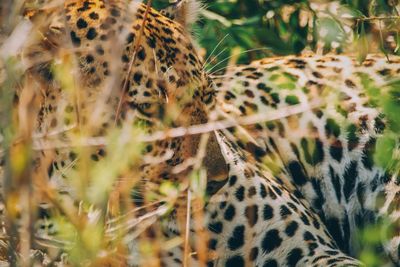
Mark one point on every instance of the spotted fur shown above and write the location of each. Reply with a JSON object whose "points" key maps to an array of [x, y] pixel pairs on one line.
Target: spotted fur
{"points": [[327, 151]]}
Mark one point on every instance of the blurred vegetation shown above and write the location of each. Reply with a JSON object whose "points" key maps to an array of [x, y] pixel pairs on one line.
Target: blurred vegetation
{"points": [[242, 30], [259, 28]]}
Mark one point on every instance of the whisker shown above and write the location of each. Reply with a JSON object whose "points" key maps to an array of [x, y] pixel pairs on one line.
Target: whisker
{"points": [[215, 48], [234, 55], [223, 50]]}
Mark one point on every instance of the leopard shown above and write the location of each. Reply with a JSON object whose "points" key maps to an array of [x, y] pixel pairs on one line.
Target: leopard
{"points": [[326, 149], [254, 215]]}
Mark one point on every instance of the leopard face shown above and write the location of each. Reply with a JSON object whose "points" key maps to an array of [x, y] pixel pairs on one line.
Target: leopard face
{"points": [[153, 64], [132, 63]]}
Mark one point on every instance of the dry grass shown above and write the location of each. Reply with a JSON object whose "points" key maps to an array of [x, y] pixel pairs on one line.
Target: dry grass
{"points": [[91, 201]]}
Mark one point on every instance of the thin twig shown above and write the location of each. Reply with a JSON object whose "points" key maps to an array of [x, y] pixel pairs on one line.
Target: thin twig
{"points": [[186, 251], [378, 18], [186, 131]]}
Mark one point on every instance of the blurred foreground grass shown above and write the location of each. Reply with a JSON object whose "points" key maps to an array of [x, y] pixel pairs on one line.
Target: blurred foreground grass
{"points": [[95, 226]]}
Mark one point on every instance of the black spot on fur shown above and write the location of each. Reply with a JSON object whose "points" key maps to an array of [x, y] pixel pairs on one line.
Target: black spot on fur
{"points": [[284, 211], [232, 180], [50, 170], [264, 100], [235, 261], [299, 64], [270, 263], [346, 233], [320, 199], [291, 228], [385, 72], [336, 150], [151, 41], [130, 37], [137, 77], [89, 58], [304, 218], [336, 183], [240, 193], [316, 223], [379, 124], [268, 212], [294, 257], [212, 244], [317, 74], [141, 54], [229, 213], [76, 41], [309, 236], [350, 83], [167, 30], [81, 23], [316, 259], [277, 190], [297, 173], [334, 229], [271, 241], [237, 239], [94, 16], [263, 191], [271, 194], [350, 177], [228, 95], [91, 33], [216, 227], [368, 154], [263, 87]]}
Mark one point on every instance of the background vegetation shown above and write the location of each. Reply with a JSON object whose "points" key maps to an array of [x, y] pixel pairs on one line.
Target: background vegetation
{"points": [[229, 31], [259, 28]]}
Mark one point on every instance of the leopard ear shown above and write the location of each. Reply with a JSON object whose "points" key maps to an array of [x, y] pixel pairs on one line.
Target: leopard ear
{"points": [[185, 12]]}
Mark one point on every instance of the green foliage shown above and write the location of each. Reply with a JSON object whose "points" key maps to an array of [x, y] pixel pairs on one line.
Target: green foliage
{"points": [[370, 239], [261, 28], [388, 99]]}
